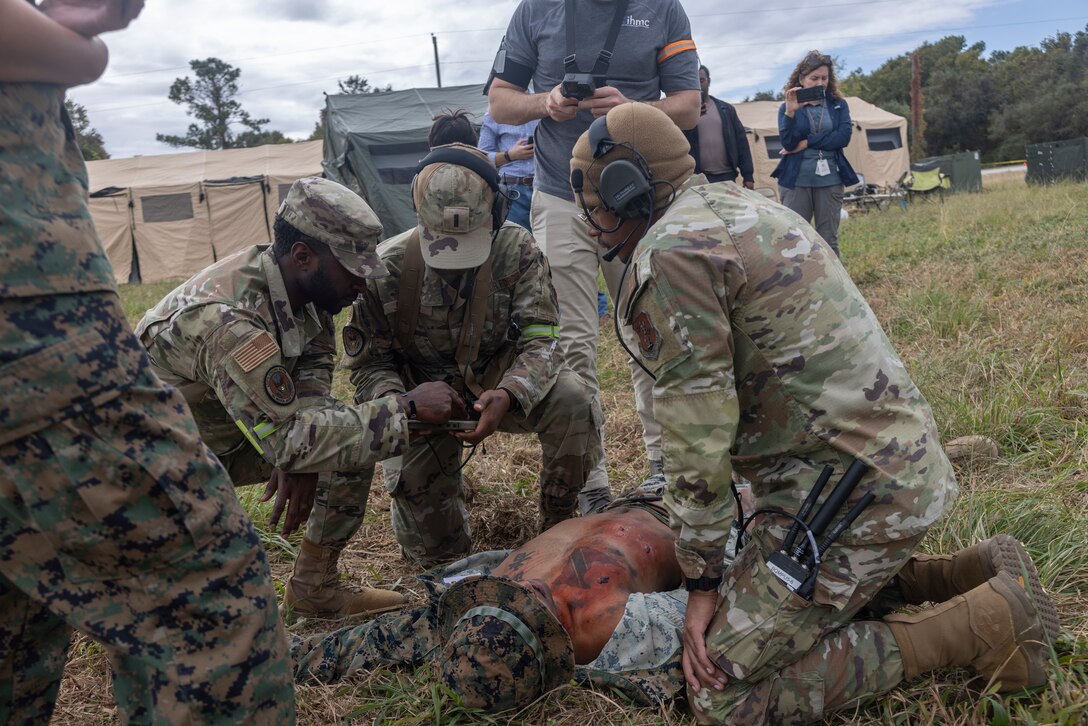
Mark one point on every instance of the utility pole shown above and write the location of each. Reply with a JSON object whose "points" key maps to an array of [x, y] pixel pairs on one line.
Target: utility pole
{"points": [[437, 68], [918, 129]]}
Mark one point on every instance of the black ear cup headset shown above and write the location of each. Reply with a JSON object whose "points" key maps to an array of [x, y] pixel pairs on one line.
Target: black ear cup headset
{"points": [[626, 189], [500, 203], [626, 186]]}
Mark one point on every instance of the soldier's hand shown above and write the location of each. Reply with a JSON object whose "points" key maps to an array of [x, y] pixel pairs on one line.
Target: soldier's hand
{"points": [[492, 406], [699, 670], [296, 492], [435, 402], [91, 17]]}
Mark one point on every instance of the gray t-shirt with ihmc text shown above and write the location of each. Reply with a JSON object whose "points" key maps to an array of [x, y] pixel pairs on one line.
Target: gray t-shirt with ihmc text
{"points": [[653, 54]]}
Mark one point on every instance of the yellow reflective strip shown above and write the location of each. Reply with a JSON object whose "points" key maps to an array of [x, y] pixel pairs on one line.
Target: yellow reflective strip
{"points": [[248, 435], [541, 331], [264, 430]]}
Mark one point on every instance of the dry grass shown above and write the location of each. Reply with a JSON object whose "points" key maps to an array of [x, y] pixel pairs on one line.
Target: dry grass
{"points": [[986, 298]]}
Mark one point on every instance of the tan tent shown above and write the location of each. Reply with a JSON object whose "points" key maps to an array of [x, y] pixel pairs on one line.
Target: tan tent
{"points": [[181, 212], [877, 149]]}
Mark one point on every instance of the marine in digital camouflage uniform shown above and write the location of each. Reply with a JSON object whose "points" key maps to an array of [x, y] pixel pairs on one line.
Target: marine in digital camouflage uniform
{"points": [[638, 652], [517, 359], [770, 364], [256, 368], [115, 519]]}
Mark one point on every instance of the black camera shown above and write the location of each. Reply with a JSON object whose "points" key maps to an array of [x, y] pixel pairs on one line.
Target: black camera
{"points": [[813, 93], [578, 85]]}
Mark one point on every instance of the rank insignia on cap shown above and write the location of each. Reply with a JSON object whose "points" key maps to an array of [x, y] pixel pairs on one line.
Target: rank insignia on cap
{"points": [[648, 338], [353, 341], [279, 386]]}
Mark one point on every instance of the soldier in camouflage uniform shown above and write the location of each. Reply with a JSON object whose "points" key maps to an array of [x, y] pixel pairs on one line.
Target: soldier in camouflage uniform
{"points": [[588, 600], [769, 363], [249, 342], [497, 346], [115, 520]]}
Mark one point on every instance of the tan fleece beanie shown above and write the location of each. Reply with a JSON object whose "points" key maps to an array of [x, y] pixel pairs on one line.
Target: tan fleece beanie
{"points": [[652, 134]]}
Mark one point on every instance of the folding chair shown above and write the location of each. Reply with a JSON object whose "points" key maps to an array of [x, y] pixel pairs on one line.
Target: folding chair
{"points": [[924, 180]]}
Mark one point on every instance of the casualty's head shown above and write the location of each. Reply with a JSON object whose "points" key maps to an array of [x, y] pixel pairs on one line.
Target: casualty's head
{"points": [[325, 240], [626, 169], [503, 647], [455, 193]]}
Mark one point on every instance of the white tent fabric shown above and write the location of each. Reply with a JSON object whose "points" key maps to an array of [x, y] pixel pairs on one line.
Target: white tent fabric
{"points": [[877, 149], [181, 212]]}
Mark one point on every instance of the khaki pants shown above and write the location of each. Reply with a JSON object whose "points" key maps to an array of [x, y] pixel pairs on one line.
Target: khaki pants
{"points": [[574, 258]]}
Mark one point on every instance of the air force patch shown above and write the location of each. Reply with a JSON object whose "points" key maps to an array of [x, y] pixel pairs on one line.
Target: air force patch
{"points": [[649, 340], [353, 341], [279, 386]]}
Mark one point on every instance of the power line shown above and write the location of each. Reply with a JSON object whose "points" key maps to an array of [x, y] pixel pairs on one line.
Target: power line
{"points": [[234, 61], [723, 45]]}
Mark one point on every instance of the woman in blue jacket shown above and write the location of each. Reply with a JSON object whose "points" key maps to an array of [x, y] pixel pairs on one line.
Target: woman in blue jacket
{"points": [[814, 170]]}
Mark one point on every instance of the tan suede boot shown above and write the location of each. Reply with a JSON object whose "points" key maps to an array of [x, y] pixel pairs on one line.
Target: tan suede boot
{"points": [[965, 448], [315, 590], [998, 628], [936, 578]]}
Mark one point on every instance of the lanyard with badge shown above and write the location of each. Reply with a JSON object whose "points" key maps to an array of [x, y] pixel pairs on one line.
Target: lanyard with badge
{"points": [[816, 121]]}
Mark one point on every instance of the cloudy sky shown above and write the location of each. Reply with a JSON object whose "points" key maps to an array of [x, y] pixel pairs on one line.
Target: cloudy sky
{"points": [[292, 52]]}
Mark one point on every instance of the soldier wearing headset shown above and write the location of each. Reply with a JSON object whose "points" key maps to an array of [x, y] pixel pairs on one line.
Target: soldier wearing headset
{"points": [[468, 300], [769, 363]]}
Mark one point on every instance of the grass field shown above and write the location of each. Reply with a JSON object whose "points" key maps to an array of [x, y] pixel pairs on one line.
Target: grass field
{"points": [[986, 298]]}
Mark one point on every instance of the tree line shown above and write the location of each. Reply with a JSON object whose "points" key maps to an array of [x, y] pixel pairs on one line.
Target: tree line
{"points": [[995, 105]]}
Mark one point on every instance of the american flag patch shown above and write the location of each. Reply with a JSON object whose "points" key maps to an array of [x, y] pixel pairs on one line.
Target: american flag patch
{"points": [[255, 351]]}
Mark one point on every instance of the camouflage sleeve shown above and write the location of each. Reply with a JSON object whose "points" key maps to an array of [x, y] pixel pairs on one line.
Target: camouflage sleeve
{"points": [[368, 349], [684, 338], [243, 364], [535, 312], [313, 370]]}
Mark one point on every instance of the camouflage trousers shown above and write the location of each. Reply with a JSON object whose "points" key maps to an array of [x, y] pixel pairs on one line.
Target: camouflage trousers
{"points": [[429, 516], [116, 521], [339, 502], [791, 660]]}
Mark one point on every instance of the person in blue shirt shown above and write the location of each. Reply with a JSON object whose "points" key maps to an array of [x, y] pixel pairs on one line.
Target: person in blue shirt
{"points": [[814, 171], [510, 147]]}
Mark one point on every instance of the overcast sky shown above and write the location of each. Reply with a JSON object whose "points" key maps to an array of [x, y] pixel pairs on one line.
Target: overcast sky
{"points": [[291, 52]]}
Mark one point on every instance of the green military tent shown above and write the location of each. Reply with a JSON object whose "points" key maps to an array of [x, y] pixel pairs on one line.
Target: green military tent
{"points": [[373, 142]]}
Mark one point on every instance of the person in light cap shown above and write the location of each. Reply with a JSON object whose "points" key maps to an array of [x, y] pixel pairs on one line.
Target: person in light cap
{"points": [[769, 365], [249, 342], [468, 300]]}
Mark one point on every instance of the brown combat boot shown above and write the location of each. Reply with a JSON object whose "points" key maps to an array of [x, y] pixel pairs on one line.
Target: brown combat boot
{"points": [[936, 578], [965, 448], [315, 590], [999, 628]]}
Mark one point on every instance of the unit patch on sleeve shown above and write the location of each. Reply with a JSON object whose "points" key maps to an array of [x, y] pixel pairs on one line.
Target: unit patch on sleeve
{"points": [[649, 340], [279, 386], [353, 341], [256, 350]]}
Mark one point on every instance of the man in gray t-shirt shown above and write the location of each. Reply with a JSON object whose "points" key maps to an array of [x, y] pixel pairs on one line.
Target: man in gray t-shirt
{"points": [[653, 54]]}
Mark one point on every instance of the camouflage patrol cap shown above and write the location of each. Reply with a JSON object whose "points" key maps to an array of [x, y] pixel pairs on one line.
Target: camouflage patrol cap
{"points": [[647, 130], [503, 647], [454, 207], [333, 214]]}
